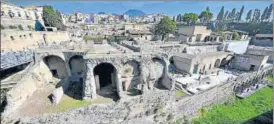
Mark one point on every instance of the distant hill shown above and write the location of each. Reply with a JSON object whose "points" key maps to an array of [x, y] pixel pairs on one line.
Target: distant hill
{"points": [[101, 13], [134, 12]]}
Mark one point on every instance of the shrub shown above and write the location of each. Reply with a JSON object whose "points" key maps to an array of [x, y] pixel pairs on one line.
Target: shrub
{"points": [[236, 36], [12, 27], [29, 27], [2, 27], [20, 27]]}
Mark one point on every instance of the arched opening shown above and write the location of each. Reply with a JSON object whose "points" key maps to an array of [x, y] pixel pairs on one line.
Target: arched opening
{"points": [[131, 77], [157, 72], [223, 62], [105, 75], [217, 63], [76, 65], [57, 66]]}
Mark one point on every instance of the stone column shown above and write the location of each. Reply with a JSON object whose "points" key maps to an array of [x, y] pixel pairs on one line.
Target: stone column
{"points": [[89, 87], [68, 69], [97, 82], [119, 85]]}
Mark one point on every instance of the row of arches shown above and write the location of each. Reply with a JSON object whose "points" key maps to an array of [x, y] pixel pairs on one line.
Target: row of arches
{"points": [[105, 74]]}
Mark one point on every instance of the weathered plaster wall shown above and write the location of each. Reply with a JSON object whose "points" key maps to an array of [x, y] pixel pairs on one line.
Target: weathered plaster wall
{"points": [[17, 40], [154, 106], [37, 75]]}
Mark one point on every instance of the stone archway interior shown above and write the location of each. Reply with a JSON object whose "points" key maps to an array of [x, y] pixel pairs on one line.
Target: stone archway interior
{"points": [[223, 62], [217, 63], [76, 64], [157, 67], [57, 66], [104, 75]]}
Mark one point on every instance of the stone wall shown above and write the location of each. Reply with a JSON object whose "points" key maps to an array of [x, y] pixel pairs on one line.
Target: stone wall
{"points": [[36, 76], [153, 107], [17, 40], [267, 51]]}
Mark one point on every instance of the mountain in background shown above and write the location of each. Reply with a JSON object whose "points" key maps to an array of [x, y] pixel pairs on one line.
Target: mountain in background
{"points": [[134, 12], [101, 13]]}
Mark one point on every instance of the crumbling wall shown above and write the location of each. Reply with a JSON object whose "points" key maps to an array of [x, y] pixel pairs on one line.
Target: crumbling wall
{"points": [[17, 40], [36, 76], [155, 106]]}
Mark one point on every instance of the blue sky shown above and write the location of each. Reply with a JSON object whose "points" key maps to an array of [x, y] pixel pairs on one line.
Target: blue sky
{"points": [[169, 8]]}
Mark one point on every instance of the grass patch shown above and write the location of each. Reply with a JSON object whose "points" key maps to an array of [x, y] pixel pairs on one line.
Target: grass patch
{"points": [[68, 103], [102, 100], [179, 93], [239, 111]]}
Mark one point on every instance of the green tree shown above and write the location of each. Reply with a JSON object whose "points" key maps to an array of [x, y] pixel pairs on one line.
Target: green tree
{"points": [[220, 16], [20, 27], [269, 12], [233, 14], [164, 27], [205, 16], [207, 9], [263, 17], [248, 16], [225, 16], [52, 18], [190, 18], [241, 13], [256, 15]]}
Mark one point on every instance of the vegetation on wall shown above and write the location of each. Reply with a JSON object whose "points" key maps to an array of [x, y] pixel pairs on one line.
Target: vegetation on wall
{"points": [[52, 18], [12, 27], [239, 111], [20, 27], [95, 39]]}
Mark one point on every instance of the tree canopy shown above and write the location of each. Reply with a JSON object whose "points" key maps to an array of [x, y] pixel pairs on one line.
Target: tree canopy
{"points": [[190, 18], [206, 16], [165, 26], [221, 14], [52, 18]]}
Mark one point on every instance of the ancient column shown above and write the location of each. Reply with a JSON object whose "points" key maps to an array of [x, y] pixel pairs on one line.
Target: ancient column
{"points": [[89, 87], [97, 82]]}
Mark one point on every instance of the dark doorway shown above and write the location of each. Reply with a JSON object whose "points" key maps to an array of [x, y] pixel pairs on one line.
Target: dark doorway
{"points": [[105, 76], [54, 73], [252, 67], [104, 72]]}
